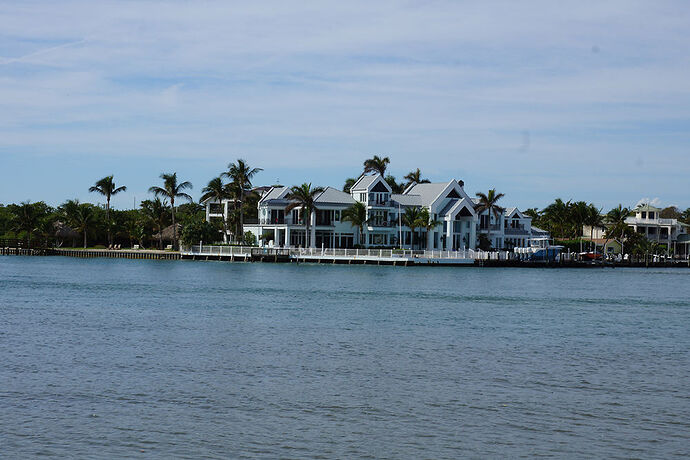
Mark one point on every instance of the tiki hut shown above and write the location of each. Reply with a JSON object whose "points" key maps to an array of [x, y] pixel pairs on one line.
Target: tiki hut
{"points": [[64, 232], [167, 234]]}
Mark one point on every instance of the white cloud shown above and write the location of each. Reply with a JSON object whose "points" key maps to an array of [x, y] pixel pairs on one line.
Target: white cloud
{"points": [[428, 83]]}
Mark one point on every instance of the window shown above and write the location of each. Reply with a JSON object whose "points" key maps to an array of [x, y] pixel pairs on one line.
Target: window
{"points": [[336, 216], [651, 215], [644, 214]]}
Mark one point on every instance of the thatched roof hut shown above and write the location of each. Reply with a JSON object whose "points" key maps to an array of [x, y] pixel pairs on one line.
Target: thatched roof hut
{"points": [[64, 231], [168, 232]]}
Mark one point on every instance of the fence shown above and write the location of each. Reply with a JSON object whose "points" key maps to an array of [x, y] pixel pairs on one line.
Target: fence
{"points": [[247, 251]]}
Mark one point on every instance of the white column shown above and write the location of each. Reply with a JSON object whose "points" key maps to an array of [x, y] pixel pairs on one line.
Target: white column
{"points": [[472, 244], [312, 236], [287, 236]]}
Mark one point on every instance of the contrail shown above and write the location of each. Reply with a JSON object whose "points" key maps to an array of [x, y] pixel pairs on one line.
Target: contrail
{"points": [[40, 52]]}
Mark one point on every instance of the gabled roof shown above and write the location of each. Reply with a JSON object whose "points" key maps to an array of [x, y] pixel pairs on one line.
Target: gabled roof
{"points": [[334, 196], [455, 206], [508, 212], [275, 196], [646, 207], [364, 182], [427, 192]]}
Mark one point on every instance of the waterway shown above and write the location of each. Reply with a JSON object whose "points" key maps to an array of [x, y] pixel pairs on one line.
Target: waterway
{"points": [[159, 359]]}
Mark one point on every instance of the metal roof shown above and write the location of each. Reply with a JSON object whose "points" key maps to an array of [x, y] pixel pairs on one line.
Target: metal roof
{"points": [[335, 196]]}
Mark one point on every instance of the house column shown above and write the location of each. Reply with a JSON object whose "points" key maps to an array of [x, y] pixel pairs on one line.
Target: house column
{"points": [[312, 230], [449, 235], [472, 244], [287, 235]]}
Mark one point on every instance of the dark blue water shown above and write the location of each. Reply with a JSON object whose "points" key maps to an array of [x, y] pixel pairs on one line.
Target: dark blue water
{"points": [[118, 358]]}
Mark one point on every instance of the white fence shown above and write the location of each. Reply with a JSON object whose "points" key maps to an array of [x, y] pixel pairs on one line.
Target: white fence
{"points": [[246, 251]]}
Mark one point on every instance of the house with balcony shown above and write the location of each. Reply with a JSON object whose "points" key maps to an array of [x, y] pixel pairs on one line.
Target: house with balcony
{"points": [[648, 222], [517, 229], [458, 223], [672, 233]]}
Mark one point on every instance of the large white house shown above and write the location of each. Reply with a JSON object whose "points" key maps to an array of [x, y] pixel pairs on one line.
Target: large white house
{"points": [[648, 222], [458, 224]]}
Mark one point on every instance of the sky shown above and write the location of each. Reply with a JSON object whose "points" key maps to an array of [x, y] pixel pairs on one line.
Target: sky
{"points": [[578, 100]]}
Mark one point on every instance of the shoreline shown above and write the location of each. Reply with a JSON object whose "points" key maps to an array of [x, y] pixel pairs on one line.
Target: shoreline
{"points": [[279, 256]]}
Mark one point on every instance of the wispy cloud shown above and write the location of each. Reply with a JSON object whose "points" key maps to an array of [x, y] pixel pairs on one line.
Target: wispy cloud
{"points": [[593, 91]]}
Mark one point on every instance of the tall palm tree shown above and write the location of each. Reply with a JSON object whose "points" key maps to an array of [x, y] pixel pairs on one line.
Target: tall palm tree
{"points": [[26, 217], [85, 218], [217, 191], [304, 197], [357, 216], [411, 218], [594, 219], [488, 202], [616, 218], [376, 164], [415, 177], [106, 187], [172, 189], [241, 174], [557, 217], [156, 212]]}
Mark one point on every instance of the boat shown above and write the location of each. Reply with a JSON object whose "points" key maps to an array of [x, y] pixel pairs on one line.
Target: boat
{"points": [[539, 249]]}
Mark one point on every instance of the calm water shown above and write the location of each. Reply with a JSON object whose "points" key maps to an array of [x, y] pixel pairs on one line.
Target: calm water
{"points": [[118, 358]]}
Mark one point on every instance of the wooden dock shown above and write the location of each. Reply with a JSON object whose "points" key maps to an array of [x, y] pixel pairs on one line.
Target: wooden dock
{"points": [[117, 254]]}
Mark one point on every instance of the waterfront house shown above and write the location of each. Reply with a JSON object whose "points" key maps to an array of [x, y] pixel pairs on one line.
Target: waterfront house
{"points": [[647, 221], [457, 222]]}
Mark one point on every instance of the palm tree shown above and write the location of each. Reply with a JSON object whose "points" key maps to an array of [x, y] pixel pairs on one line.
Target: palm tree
{"points": [[85, 218], [357, 216], [411, 218], [427, 221], [376, 164], [217, 191], [579, 212], [156, 212], [26, 217], [172, 189], [394, 185], [415, 177], [241, 174], [349, 182], [594, 219], [303, 197], [106, 187], [616, 218], [557, 217], [488, 202]]}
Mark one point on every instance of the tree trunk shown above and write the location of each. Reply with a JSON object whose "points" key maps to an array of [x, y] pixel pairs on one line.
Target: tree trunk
{"points": [[107, 220], [160, 235], [242, 214], [172, 206]]}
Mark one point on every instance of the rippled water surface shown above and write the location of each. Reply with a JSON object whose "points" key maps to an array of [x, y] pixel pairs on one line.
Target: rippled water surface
{"points": [[118, 358]]}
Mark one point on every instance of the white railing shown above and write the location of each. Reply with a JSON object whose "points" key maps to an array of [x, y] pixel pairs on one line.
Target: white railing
{"points": [[210, 250], [246, 251]]}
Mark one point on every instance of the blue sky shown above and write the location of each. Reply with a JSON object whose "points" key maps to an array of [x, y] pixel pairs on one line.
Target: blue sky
{"points": [[578, 100]]}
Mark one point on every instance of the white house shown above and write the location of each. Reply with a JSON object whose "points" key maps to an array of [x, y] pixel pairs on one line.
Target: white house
{"points": [[458, 223]]}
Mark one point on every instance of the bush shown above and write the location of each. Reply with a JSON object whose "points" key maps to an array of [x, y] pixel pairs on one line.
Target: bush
{"points": [[196, 230], [249, 239]]}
